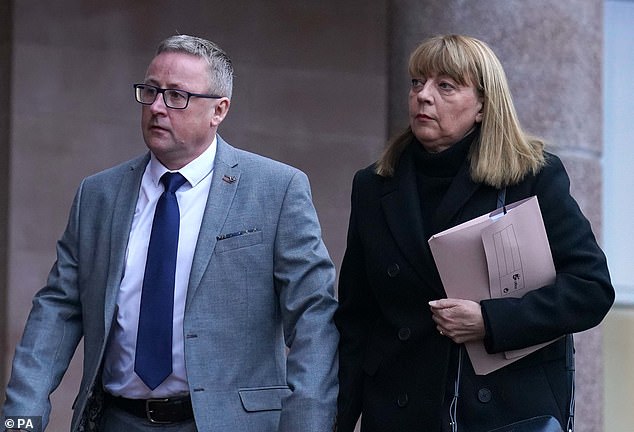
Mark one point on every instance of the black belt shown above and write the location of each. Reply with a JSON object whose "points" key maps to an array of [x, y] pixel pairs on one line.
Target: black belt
{"points": [[167, 410]]}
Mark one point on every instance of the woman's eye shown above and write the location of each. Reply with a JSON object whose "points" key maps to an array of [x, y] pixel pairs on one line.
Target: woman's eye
{"points": [[417, 84]]}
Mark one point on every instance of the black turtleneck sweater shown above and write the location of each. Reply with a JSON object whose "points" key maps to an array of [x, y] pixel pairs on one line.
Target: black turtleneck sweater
{"points": [[434, 174]]}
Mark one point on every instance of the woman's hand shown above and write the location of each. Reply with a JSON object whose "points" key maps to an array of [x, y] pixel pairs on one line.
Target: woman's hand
{"points": [[459, 320]]}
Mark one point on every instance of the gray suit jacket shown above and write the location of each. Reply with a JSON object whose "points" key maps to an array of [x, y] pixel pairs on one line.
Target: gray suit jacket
{"points": [[251, 296]]}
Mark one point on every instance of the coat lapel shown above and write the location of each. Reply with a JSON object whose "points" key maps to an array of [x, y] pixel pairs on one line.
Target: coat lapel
{"points": [[401, 206], [224, 184], [123, 213]]}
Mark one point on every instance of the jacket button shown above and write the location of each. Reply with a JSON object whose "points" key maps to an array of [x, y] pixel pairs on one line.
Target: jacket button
{"points": [[393, 270], [402, 400], [404, 333], [484, 395]]}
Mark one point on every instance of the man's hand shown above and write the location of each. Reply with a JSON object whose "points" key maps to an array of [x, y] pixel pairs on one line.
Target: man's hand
{"points": [[459, 320]]}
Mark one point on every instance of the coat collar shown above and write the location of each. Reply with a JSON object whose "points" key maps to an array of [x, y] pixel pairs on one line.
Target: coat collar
{"points": [[401, 205]]}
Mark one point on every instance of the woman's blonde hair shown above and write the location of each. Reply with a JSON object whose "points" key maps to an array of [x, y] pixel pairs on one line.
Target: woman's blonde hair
{"points": [[503, 154]]}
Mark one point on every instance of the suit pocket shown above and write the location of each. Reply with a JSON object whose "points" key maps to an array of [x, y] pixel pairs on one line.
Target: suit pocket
{"points": [[263, 398], [238, 240]]}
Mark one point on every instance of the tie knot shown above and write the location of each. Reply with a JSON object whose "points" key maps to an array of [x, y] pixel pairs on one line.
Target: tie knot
{"points": [[172, 181]]}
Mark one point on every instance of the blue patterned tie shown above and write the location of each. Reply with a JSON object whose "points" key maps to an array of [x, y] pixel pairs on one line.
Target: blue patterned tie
{"points": [[153, 361]]}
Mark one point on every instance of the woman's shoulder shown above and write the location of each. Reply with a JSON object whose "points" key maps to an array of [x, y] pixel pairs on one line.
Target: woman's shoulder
{"points": [[550, 182], [552, 161], [553, 169], [367, 185], [367, 175]]}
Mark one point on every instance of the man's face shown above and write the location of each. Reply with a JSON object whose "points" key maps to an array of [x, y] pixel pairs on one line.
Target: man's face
{"points": [[178, 136]]}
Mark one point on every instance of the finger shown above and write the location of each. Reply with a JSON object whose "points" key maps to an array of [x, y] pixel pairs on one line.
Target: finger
{"points": [[440, 320], [445, 303], [437, 304], [440, 330]]}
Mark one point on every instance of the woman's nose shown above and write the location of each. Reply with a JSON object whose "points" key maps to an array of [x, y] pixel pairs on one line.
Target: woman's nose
{"points": [[425, 94]]}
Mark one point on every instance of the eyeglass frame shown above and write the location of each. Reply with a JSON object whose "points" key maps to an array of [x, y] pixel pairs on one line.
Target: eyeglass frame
{"points": [[159, 90]]}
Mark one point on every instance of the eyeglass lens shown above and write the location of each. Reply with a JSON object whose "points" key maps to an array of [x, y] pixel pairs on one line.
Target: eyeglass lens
{"points": [[173, 98]]}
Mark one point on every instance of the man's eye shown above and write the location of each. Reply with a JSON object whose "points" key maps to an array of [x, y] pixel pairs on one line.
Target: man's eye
{"points": [[148, 92], [176, 95]]}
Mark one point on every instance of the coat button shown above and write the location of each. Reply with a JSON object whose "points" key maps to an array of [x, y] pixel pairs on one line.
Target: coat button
{"points": [[404, 333], [484, 395], [402, 400], [393, 270]]}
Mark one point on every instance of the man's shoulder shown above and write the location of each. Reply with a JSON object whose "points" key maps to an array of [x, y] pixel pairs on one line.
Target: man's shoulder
{"points": [[118, 170], [248, 160]]}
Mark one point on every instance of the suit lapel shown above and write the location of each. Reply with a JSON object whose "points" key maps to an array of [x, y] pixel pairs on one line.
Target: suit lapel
{"points": [[123, 213], [224, 184]]}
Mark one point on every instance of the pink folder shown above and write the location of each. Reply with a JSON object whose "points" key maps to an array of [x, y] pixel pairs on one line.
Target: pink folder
{"points": [[504, 253]]}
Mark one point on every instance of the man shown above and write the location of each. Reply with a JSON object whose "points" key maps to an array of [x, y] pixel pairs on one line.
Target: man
{"points": [[228, 252]]}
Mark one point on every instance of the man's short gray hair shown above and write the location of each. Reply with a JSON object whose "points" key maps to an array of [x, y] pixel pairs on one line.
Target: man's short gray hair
{"points": [[220, 67]]}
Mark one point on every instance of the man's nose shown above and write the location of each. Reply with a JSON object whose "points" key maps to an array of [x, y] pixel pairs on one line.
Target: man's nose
{"points": [[159, 103]]}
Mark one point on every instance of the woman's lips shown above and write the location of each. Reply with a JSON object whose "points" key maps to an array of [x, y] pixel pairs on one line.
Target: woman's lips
{"points": [[423, 117]]}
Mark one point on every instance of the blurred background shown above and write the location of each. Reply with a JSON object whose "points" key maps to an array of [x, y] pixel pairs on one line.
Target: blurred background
{"points": [[320, 85]]}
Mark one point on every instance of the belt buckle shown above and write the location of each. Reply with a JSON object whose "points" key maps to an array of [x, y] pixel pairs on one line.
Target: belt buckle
{"points": [[149, 411]]}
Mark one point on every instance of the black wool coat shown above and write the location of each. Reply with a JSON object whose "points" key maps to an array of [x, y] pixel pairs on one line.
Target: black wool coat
{"points": [[395, 367]]}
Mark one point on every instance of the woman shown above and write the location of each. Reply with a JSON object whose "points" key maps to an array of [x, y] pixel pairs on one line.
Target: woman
{"points": [[400, 335]]}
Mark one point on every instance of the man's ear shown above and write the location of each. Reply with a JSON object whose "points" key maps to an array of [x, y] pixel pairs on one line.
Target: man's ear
{"points": [[220, 111]]}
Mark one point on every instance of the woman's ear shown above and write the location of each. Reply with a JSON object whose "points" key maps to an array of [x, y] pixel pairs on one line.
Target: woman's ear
{"points": [[480, 113]]}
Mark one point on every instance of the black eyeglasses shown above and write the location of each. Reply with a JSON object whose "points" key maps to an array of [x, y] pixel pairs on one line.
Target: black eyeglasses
{"points": [[176, 99]]}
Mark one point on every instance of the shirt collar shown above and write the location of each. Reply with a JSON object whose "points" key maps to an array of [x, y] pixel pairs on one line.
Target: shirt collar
{"points": [[194, 172]]}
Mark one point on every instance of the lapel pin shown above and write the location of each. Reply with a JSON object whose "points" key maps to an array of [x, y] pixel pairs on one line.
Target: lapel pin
{"points": [[229, 179]]}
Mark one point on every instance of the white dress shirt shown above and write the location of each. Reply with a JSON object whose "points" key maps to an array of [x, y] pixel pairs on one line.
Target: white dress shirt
{"points": [[119, 377]]}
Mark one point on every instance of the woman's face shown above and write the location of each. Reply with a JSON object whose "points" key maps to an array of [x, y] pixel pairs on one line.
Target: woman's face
{"points": [[441, 111]]}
